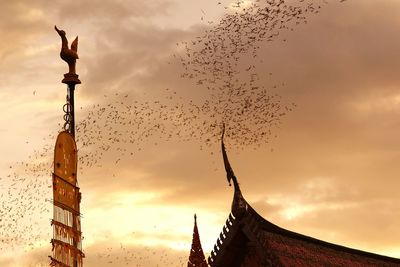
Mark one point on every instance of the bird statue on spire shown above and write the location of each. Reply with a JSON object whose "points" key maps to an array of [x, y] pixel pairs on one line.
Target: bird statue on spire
{"points": [[69, 55]]}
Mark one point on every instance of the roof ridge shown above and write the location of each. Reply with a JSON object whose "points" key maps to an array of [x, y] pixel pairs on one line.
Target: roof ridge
{"points": [[271, 227]]}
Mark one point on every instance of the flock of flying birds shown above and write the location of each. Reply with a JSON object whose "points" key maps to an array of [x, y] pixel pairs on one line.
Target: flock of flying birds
{"points": [[128, 256], [232, 94]]}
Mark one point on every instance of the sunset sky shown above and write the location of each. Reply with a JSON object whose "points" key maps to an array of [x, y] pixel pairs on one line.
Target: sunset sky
{"points": [[332, 172]]}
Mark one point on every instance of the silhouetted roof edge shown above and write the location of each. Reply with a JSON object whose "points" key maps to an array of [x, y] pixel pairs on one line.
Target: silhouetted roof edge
{"points": [[244, 210], [273, 228]]}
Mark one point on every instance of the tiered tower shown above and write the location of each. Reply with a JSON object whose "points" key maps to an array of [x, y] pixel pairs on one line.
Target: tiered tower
{"points": [[67, 235]]}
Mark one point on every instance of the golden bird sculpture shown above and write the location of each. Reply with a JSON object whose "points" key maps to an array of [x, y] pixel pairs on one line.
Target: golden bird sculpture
{"points": [[69, 55]]}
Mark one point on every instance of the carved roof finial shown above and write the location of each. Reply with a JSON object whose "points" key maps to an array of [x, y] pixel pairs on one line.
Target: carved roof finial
{"points": [[230, 175], [239, 204]]}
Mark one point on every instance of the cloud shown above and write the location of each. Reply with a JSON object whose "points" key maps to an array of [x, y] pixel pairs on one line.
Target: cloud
{"points": [[331, 67], [332, 170]]}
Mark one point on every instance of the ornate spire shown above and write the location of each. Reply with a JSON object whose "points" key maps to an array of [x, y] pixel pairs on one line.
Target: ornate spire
{"points": [[196, 257], [239, 204]]}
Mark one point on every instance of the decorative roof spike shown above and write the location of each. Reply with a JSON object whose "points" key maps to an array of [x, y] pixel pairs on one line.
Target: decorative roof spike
{"points": [[239, 204], [196, 257], [230, 175]]}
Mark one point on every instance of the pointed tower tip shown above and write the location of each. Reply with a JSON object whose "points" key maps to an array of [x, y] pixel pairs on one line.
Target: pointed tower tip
{"points": [[196, 256]]}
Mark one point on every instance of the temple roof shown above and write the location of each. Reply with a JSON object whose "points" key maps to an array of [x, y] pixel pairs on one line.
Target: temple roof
{"points": [[247, 239], [196, 257]]}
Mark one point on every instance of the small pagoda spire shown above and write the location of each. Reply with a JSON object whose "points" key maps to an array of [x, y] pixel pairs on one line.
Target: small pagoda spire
{"points": [[239, 204], [196, 257]]}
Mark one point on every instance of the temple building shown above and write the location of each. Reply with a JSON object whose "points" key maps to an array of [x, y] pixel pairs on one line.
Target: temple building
{"points": [[196, 257], [249, 240]]}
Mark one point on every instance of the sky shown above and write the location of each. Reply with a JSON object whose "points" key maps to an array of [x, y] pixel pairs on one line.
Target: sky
{"points": [[329, 170]]}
